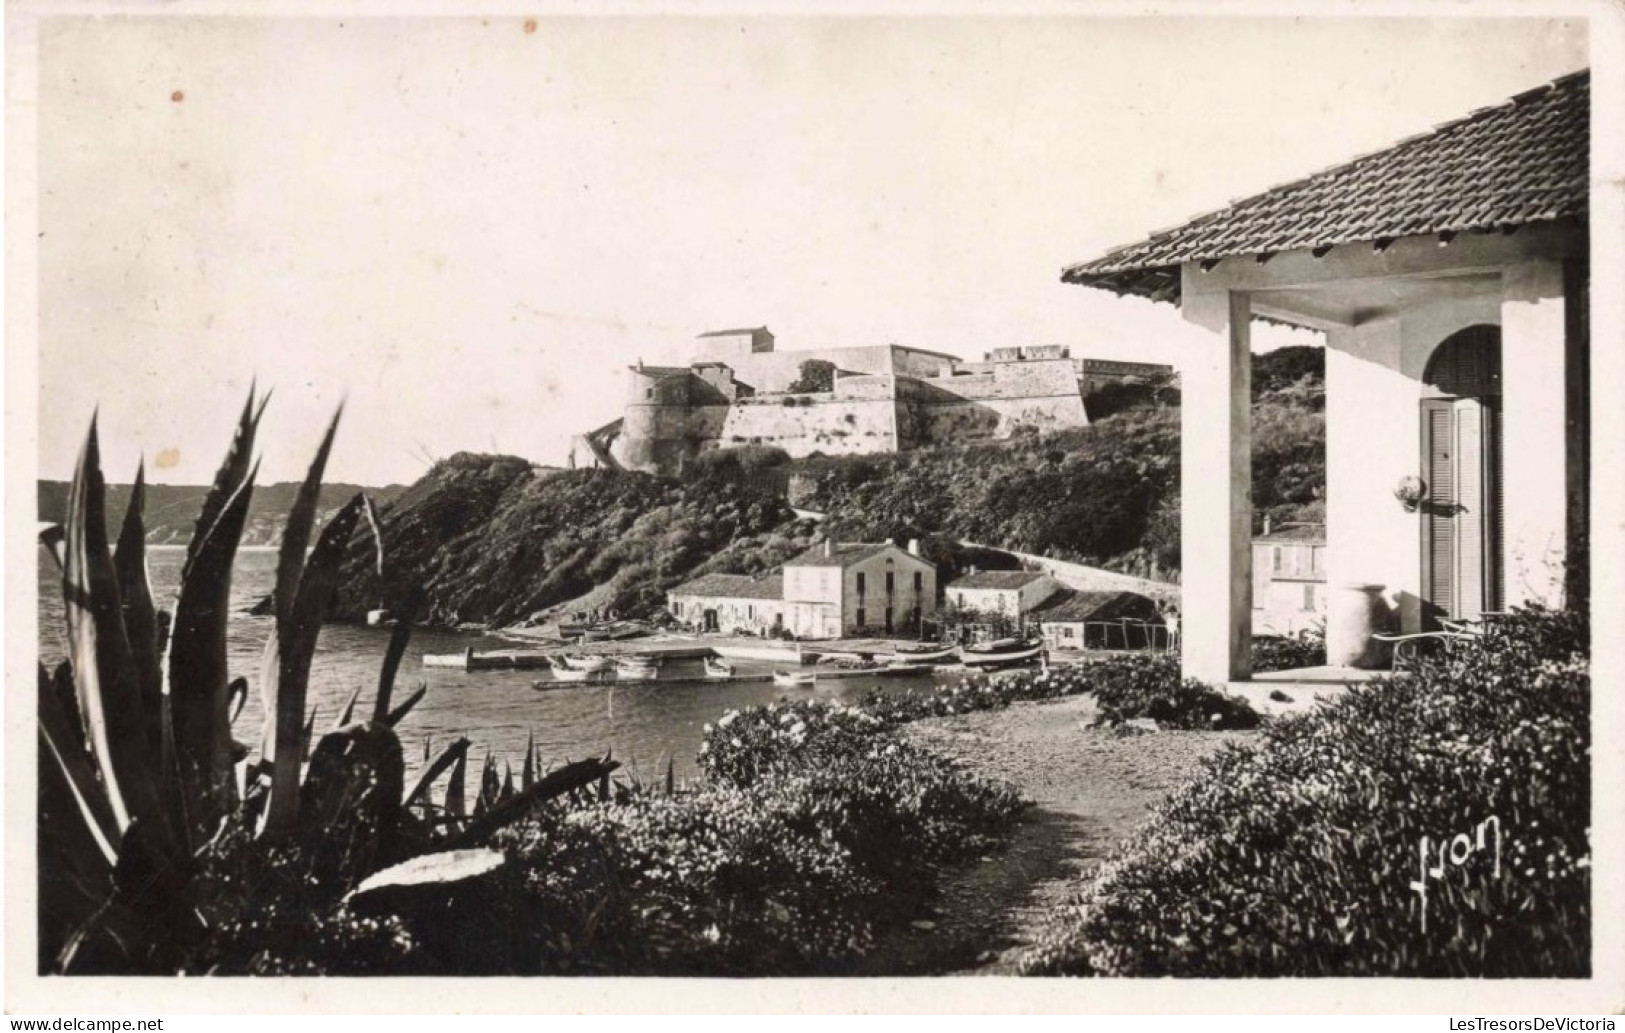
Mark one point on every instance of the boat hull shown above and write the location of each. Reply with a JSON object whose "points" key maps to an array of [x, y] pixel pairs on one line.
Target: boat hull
{"points": [[1002, 658]]}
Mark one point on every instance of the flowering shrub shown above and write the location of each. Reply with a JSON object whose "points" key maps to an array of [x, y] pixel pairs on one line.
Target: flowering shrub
{"points": [[1303, 855]]}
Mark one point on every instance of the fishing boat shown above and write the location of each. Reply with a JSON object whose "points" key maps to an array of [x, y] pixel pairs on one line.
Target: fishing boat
{"points": [[717, 670], [925, 654], [637, 668], [589, 663], [563, 672], [1004, 652], [794, 679]]}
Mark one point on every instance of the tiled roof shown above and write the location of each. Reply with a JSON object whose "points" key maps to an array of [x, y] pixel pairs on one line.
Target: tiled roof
{"points": [[734, 586], [1011, 579], [659, 371], [735, 332], [842, 554], [1068, 605], [1303, 533], [1523, 161]]}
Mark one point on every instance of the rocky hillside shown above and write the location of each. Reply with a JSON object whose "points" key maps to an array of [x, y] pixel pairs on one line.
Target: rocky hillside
{"points": [[495, 541], [172, 509]]}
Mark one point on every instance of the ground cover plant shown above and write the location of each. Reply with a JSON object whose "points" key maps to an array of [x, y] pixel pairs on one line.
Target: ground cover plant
{"points": [[1431, 825], [1126, 686]]}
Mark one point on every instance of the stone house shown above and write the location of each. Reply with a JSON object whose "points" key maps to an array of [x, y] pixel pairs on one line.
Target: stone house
{"points": [[1289, 579], [1450, 275], [730, 603], [1013, 593], [838, 589]]}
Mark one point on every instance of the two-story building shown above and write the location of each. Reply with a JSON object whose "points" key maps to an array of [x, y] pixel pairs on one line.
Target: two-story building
{"points": [[840, 589], [1289, 579], [1011, 593]]}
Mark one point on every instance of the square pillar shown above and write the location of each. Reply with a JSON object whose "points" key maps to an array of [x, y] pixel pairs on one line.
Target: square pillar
{"points": [[1534, 441], [1216, 475]]}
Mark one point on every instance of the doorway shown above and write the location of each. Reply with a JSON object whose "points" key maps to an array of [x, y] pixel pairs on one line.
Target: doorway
{"points": [[1461, 464]]}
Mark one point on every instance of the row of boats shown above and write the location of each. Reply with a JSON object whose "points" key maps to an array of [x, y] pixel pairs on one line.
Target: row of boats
{"points": [[598, 669]]}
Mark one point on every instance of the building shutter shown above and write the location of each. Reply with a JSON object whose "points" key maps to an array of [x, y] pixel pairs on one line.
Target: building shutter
{"points": [[1438, 511], [1470, 523]]}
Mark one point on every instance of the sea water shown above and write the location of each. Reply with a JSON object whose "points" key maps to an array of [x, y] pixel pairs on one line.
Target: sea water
{"points": [[642, 725]]}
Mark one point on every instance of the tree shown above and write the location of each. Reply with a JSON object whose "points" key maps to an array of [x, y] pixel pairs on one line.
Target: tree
{"points": [[816, 375]]}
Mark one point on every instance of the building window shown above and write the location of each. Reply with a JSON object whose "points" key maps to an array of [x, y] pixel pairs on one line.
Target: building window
{"points": [[891, 585], [919, 583], [648, 392], [1275, 562], [1309, 597], [860, 584], [862, 621]]}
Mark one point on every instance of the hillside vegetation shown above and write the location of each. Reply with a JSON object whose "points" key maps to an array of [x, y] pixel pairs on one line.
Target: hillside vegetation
{"points": [[1105, 495], [496, 540]]}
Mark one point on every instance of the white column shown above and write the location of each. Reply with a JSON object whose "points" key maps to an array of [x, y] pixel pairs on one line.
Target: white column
{"points": [[1534, 412], [1216, 507]]}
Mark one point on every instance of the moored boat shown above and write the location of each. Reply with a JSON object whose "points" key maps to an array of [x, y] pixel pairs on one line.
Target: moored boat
{"points": [[637, 668], [794, 679], [581, 675], [586, 662], [929, 654], [717, 669], [1003, 653]]}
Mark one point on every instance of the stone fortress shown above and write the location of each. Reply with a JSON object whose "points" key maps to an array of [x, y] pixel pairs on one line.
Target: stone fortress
{"points": [[736, 390]]}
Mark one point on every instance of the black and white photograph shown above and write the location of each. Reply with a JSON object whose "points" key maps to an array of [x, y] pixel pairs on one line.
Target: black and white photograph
{"points": [[1063, 493]]}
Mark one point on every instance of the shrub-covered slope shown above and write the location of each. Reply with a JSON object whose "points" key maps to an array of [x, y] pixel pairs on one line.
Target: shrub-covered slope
{"points": [[493, 541], [1106, 495], [1435, 826]]}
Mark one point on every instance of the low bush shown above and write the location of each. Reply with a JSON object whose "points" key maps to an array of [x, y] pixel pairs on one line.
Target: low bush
{"points": [[1435, 825], [1284, 652]]}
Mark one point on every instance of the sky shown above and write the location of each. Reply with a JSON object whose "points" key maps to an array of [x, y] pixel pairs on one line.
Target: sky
{"points": [[468, 228]]}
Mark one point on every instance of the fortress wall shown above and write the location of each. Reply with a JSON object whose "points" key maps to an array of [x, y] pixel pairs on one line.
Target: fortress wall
{"points": [[850, 426]]}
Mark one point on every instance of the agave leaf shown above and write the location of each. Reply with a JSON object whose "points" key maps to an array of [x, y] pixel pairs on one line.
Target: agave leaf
{"points": [[348, 713], [109, 701], [671, 775], [399, 713], [306, 734], [229, 479], [291, 564], [198, 678], [297, 628], [456, 797], [61, 747], [557, 783], [350, 803], [140, 619], [507, 791], [399, 638], [527, 776], [447, 757], [54, 538]]}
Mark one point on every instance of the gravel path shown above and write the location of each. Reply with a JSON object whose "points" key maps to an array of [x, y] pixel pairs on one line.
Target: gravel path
{"points": [[1089, 787]]}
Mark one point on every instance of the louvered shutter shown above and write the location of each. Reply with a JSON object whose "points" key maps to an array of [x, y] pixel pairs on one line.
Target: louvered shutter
{"points": [[1438, 513], [1470, 522]]}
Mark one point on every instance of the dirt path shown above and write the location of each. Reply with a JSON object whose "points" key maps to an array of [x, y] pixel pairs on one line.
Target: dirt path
{"points": [[1089, 788]]}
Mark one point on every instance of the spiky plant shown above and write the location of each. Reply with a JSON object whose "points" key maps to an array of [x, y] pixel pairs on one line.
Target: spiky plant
{"points": [[140, 772]]}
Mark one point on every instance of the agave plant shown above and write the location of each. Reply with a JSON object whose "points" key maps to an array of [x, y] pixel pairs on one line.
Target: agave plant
{"points": [[139, 768]]}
